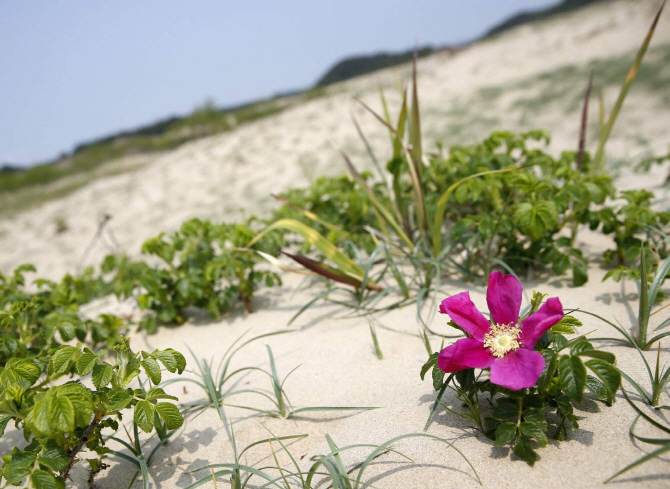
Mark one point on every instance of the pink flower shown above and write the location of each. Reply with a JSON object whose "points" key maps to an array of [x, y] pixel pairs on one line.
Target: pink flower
{"points": [[503, 345]]}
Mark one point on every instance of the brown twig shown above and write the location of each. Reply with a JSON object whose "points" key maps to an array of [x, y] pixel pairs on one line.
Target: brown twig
{"points": [[72, 454]]}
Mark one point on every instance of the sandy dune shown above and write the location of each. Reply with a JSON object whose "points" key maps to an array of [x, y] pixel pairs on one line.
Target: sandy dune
{"points": [[219, 176]]}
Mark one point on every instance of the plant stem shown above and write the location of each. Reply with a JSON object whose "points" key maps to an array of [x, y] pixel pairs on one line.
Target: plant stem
{"points": [[518, 421], [82, 441]]}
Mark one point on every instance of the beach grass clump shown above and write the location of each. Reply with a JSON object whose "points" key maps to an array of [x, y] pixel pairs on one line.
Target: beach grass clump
{"points": [[658, 422], [650, 288], [522, 361], [328, 468], [220, 384]]}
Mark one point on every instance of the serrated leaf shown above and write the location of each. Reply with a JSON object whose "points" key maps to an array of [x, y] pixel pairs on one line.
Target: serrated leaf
{"points": [[54, 457], [152, 369], [21, 371], [167, 358], [118, 399], [535, 431], [19, 467], [608, 374], [536, 219], [158, 393], [37, 420], [438, 377], [60, 360], [144, 416], [505, 410], [67, 330], [179, 358], [81, 399], [41, 479], [599, 354], [505, 433], [572, 376], [566, 325], [170, 415], [597, 388], [524, 450], [4, 420], [432, 361], [102, 375], [61, 414], [536, 416], [85, 363]]}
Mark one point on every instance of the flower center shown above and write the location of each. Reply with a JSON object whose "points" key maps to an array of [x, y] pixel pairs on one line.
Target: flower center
{"points": [[502, 338]]}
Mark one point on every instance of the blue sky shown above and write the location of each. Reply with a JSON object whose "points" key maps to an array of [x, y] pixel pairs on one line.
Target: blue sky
{"points": [[74, 70]]}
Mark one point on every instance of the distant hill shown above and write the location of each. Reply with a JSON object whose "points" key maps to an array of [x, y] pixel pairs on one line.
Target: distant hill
{"points": [[527, 17], [359, 65]]}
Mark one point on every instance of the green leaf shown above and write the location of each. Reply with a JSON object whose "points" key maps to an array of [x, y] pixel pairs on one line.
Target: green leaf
{"points": [[67, 331], [432, 361], [152, 369], [4, 421], [170, 415], [54, 457], [438, 377], [551, 362], [167, 359], [608, 374], [42, 479], [533, 430], [505, 433], [536, 219], [158, 393], [19, 467], [102, 375], [561, 264], [60, 360], [505, 410], [37, 420], [566, 325], [178, 358], [144, 416], [524, 450], [580, 274], [128, 364], [86, 362], [61, 414], [81, 399], [597, 388], [599, 354], [21, 371], [118, 399], [572, 376], [536, 416]]}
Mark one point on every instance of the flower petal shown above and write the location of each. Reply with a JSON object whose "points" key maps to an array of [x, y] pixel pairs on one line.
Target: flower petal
{"points": [[519, 369], [535, 325], [504, 298], [465, 353], [463, 312]]}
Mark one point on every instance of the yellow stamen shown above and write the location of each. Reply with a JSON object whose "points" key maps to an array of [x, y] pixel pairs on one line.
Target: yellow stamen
{"points": [[502, 338]]}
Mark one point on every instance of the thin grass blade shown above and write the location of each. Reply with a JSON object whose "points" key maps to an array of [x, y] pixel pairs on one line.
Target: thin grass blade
{"points": [[630, 77]]}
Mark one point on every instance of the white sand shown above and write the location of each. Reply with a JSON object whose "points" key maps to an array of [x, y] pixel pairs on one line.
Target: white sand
{"points": [[215, 177]]}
